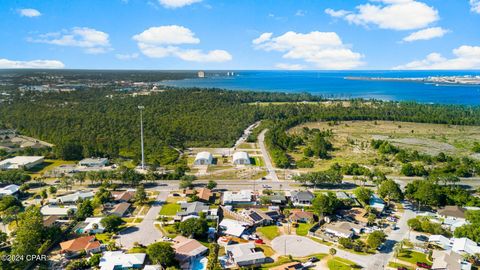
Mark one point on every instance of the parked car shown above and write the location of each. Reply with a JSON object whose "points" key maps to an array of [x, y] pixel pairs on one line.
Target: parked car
{"points": [[259, 241], [307, 264], [266, 186], [424, 265], [422, 238], [313, 259]]}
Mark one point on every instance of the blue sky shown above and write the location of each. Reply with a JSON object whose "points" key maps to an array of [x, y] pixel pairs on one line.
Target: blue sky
{"points": [[241, 34]]}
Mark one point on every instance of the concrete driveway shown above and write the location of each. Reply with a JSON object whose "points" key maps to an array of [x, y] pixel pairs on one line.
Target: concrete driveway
{"points": [[144, 233]]}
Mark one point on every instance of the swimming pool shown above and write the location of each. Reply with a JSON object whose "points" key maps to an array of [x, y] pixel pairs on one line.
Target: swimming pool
{"points": [[200, 263]]}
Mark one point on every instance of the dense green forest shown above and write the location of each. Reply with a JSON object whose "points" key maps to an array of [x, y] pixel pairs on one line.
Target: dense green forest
{"points": [[104, 122]]}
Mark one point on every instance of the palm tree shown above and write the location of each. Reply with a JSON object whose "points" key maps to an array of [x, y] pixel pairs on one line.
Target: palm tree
{"points": [[397, 249]]}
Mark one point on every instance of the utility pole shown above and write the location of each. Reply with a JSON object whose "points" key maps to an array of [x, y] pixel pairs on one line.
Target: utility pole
{"points": [[141, 108]]}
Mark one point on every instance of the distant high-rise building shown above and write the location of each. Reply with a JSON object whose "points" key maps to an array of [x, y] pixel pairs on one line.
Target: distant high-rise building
{"points": [[201, 74]]}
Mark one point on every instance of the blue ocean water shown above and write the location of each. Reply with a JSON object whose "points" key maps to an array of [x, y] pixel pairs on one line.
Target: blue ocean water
{"points": [[332, 84]]}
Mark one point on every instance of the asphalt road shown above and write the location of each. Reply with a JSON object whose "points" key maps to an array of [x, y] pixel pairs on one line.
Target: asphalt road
{"points": [[144, 233], [272, 175]]}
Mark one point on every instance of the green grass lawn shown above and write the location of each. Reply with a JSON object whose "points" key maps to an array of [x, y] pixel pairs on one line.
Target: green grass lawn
{"points": [[104, 237], [267, 250], [47, 165], [269, 232], [321, 241], [338, 263], [303, 228], [412, 256], [170, 209], [397, 265], [137, 250]]}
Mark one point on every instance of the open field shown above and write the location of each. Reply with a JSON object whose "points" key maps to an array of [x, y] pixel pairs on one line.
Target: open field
{"points": [[351, 139]]}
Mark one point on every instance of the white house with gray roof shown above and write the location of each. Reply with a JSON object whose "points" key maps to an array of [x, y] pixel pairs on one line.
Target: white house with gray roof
{"points": [[244, 255], [302, 198]]}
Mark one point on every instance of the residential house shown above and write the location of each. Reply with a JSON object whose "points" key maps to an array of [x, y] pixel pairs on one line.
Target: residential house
{"points": [[343, 229], [277, 199], [187, 250], [237, 197], [10, 190], [244, 255], [377, 203], [453, 216], [117, 260], [233, 227], [120, 209], [123, 196], [448, 260], [51, 221], [205, 195], [297, 215], [52, 210], [91, 225], [76, 246], [192, 209], [302, 198], [73, 198], [464, 245], [452, 212], [257, 217], [441, 241]]}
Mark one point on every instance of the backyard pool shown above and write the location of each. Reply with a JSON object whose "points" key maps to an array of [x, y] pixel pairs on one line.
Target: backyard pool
{"points": [[200, 263]]}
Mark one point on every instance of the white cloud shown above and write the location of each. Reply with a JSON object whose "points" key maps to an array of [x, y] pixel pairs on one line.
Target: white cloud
{"points": [[29, 12], [300, 13], [466, 57], [5, 63], [426, 34], [390, 14], [289, 66], [325, 50], [177, 3], [165, 41], [262, 38], [91, 40], [475, 6], [337, 13], [169, 34], [127, 56]]}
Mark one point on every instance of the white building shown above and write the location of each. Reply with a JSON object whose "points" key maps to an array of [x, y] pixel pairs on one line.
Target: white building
{"points": [[118, 260], [237, 197], [233, 227], [9, 190], [93, 162], [241, 158], [203, 158], [377, 203], [201, 74], [465, 245], [440, 241], [74, 197], [50, 210], [244, 254], [21, 162], [92, 225]]}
